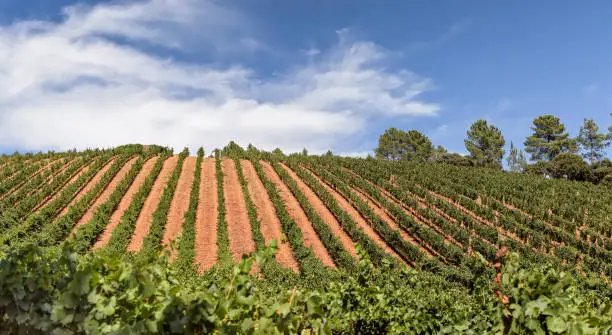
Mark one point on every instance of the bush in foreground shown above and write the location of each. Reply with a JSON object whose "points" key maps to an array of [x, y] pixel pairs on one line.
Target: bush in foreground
{"points": [[57, 291]]}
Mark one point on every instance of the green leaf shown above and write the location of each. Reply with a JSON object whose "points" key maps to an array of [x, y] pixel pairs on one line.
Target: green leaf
{"points": [[556, 324]]}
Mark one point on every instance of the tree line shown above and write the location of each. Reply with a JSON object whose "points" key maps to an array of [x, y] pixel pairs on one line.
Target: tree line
{"points": [[551, 150]]}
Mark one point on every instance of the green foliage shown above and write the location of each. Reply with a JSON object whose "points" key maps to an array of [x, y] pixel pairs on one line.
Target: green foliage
{"points": [[152, 242], [455, 159], [122, 234], [59, 229], [539, 168], [549, 139], [223, 253], [397, 144], [592, 142], [570, 166], [187, 240], [85, 235], [464, 216], [516, 159], [333, 245], [57, 291], [602, 172], [485, 143]]}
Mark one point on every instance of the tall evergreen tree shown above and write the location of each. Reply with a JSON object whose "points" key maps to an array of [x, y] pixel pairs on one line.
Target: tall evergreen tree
{"points": [[592, 142], [485, 143], [516, 159], [397, 144], [549, 139]]}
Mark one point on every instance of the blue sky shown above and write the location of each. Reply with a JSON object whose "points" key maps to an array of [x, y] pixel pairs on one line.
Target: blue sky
{"points": [[289, 74]]}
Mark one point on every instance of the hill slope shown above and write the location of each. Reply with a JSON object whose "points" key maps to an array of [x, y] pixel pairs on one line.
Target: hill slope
{"points": [[362, 245], [434, 217]]}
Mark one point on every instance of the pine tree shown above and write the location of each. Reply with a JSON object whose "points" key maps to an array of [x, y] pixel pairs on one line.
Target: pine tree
{"points": [[485, 144], [516, 159], [592, 142], [397, 144], [549, 139]]}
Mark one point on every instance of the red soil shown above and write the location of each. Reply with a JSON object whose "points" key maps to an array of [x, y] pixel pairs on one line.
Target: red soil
{"points": [[93, 182], [115, 218], [106, 193], [238, 225], [180, 203], [206, 218], [414, 214], [297, 214], [478, 218], [356, 216], [145, 218], [389, 221], [324, 213], [44, 167], [54, 195], [270, 225], [53, 176], [420, 219]]}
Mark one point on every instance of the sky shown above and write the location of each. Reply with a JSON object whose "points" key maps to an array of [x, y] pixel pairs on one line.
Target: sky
{"points": [[296, 74]]}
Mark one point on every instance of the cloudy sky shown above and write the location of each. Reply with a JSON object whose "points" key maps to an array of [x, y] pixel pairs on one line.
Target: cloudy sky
{"points": [[293, 74]]}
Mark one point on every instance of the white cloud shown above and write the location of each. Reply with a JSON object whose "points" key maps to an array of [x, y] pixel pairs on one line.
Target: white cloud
{"points": [[72, 84], [357, 154]]}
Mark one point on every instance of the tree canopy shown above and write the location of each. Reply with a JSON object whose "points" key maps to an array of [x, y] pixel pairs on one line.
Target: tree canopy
{"points": [[516, 159], [485, 143], [570, 166], [591, 141], [397, 144], [549, 139]]}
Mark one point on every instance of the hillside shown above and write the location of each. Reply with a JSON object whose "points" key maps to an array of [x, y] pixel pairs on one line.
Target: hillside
{"points": [[323, 211]]}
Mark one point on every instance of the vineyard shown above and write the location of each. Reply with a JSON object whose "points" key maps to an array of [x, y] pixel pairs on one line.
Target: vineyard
{"points": [[258, 242]]}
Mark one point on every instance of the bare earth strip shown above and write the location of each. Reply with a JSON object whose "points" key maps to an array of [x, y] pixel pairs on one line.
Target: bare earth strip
{"points": [[414, 214], [115, 218], [206, 218], [387, 219], [95, 180], [356, 216], [323, 213], [53, 176], [180, 203], [311, 239], [45, 167], [269, 223], [74, 178], [145, 218], [238, 225], [107, 192]]}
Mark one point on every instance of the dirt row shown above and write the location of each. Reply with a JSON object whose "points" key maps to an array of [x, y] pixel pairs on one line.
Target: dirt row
{"points": [[110, 188], [357, 218], [44, 167], [115, 218], [382, 213], [145, 218], [93, 182], [180, 203], [297, 214], [324, 213], [56, 194], [206, 217], [238, 225], [52, 176], [270, 225]]}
